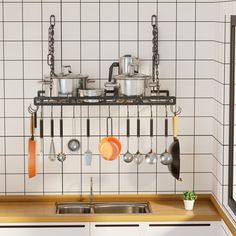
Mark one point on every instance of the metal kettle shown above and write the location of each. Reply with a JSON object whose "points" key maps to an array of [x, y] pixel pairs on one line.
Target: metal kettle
{"points": [[128, 65]]}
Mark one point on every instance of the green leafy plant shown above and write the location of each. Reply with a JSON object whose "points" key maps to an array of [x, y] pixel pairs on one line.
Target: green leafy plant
{"points": [[189, 195]]}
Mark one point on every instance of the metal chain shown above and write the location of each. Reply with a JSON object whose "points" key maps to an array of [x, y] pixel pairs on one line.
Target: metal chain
{"points": [[155, 57], [51, 50]]}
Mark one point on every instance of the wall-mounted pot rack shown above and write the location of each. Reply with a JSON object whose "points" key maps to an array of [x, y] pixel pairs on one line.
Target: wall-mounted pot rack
{"points": [[162, 99]]}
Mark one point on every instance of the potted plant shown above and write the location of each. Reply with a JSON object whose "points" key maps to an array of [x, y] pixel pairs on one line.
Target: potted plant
{"points": [[189, 198]]}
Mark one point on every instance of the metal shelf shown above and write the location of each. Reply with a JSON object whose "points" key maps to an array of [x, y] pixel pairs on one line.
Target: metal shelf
{"points": [[162, 99]]}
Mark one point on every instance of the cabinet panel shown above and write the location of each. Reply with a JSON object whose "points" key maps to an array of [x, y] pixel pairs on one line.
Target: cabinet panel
{"points": [[44, 230], [117, 229], [208, 229]]}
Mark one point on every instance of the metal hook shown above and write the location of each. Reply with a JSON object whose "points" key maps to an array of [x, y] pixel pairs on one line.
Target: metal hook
{"points": [[175, 112], [32, 110], [154, 20]]}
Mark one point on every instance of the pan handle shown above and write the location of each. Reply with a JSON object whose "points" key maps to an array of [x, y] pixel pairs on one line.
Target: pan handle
{"points": [[88, 127], [138, 127], [175, 123], [128, 127]]}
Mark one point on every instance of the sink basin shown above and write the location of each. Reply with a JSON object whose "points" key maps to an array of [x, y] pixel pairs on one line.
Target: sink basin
{"points": [[103, 208], [73, 208], [122, 208]]}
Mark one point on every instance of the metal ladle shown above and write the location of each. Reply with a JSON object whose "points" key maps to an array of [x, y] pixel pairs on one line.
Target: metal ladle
{"points": [[74, 144], [151, 157], [138, 157], [166, 157], [128, 157]]}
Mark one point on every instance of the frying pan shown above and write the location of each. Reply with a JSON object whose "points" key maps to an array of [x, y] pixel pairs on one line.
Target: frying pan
{"points": [[110, 146], [32, 149], [174, 150]]}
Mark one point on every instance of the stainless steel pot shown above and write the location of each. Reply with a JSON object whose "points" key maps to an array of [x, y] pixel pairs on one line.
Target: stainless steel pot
{"points": [[68, 82], [128, 65], [132, 85]]}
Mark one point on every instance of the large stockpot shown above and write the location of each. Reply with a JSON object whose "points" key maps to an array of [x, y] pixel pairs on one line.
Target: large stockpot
{"points": [[132, 85]]}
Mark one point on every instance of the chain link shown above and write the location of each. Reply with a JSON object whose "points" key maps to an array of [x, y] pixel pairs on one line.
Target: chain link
{"points": [[155, 57], [51, 50]]}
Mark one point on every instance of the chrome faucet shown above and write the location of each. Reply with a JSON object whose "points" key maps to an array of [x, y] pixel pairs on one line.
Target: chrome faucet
{"points": [[91, 190]]}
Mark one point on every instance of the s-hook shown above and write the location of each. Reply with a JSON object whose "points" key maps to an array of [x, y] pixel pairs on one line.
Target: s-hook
{"points": [[176, 112]]}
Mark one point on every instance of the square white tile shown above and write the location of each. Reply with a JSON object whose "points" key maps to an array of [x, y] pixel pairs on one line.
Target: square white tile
{"points": [[109, 11], [128, 182], [128, 11], [89, 11], [128, 31], [15, 183], [32, 11], [109, 183]]}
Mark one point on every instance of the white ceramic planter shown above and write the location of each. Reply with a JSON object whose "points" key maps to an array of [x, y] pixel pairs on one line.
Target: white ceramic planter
{"points": [[188, 204]]}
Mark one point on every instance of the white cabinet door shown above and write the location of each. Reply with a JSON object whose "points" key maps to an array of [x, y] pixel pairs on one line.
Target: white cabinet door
{"points": [[224, 230], [181, 229], [45, 230], [117, 229]]}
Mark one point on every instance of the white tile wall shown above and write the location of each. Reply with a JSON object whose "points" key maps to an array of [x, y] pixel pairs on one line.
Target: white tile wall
{"points": [[95, 33]]}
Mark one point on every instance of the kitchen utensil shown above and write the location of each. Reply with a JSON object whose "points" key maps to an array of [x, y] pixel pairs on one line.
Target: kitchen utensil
{"points": [[151, 157], [52, 150], [74, 144], [91, 93], [174, 150], [166, 158], [88, 154], [61, 156], [68, 82], [134, 85], [128, 157], [138, 157], [32, 149], [110, 146], [41, 152], [128, 65]]}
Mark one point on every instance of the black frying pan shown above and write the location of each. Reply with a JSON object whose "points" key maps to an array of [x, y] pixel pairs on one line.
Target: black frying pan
{"points": [[174, 150]]}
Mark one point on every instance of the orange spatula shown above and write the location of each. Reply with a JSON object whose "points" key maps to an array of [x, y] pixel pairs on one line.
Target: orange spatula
{"points": [[32, 150]]}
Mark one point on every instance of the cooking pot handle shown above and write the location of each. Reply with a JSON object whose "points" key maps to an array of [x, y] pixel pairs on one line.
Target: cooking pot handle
{"points": [[90, 81], [114, 64]]}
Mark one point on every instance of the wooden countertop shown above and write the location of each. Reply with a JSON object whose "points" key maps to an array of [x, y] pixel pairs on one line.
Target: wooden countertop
{"points": [[18, 209]]}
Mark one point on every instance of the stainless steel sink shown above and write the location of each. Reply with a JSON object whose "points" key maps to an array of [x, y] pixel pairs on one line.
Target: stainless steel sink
{"points": [[103, 208], [73, 208], [122, 208]]}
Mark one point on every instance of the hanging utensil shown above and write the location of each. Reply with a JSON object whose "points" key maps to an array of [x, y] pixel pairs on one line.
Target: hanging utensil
{"points": [[138, 157], [166, 158], [88, 154], [174, 150], [151, 157], [110, 146], [61, 156], [41, 152], [32, 149], [52, 150], [74, 144], [128, 157]]}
